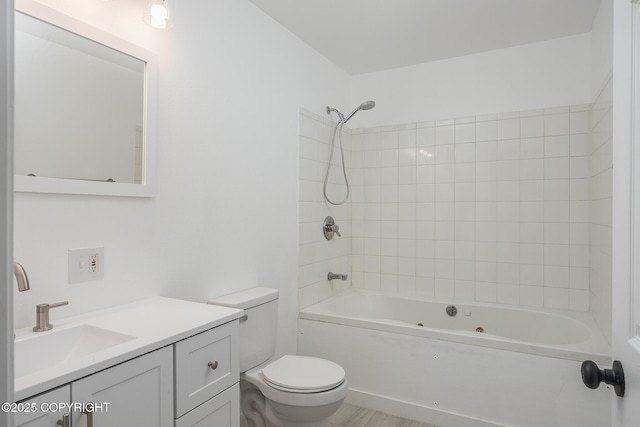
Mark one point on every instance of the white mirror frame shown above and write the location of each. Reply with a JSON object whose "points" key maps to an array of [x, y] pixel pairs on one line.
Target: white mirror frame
{"points": [[36, 184]]}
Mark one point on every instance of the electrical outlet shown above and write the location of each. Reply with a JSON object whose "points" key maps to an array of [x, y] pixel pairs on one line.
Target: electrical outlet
{"points": [[86, 264], [94, 263]]}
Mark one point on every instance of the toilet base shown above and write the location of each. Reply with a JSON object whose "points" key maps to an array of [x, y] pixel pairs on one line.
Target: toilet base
{"points": [[262, 412]]}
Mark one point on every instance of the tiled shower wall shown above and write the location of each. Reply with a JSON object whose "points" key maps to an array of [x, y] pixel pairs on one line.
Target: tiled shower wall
{"points": [[489, 208], [316, 255], [600, 212], [510, 208]]}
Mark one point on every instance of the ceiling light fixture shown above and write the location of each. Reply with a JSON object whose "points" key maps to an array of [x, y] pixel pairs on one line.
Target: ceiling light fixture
{"points": [[158, 14]]}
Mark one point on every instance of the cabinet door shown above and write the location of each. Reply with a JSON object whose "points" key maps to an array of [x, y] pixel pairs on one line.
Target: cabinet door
{"points": [[43, 410], [135, 393], [220, 411]]}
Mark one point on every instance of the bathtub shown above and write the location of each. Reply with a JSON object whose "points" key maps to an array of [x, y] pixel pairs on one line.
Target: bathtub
{"points": [[487, 365]]}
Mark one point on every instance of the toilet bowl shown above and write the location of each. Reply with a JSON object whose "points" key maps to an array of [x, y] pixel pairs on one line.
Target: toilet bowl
{"points": [[294, 391], [290, 391]]}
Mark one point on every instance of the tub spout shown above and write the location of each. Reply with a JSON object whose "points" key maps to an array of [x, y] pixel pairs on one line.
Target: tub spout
{"points": [[332, 276]]}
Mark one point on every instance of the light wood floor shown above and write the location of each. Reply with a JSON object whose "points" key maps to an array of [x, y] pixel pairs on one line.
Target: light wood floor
{"points": [[355, 416]]}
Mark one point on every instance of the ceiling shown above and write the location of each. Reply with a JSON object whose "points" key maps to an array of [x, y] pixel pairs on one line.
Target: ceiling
{"points": [[362, 36]]}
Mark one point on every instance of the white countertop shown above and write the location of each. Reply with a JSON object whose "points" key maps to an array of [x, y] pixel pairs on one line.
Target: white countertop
{"points": [[154, 323]]}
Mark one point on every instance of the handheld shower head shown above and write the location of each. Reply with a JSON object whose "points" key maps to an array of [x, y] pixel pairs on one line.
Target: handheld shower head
{"points": [[367, 105], [338, 131]]}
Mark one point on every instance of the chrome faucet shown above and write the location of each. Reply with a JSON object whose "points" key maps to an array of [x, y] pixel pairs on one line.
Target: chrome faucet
{"points": [[21, 277], [42, 316], [332, 276]]}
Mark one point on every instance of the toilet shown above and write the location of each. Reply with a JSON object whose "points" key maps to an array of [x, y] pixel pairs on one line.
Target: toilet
{"points": [[291, 391]]}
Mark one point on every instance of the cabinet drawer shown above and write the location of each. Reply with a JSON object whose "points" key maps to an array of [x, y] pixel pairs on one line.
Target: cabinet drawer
{"points": [[221, 411], [205, 365], [37, 411]]}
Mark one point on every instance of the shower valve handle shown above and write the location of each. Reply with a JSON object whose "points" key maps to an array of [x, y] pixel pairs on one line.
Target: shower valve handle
{"points": [[329, 228]]}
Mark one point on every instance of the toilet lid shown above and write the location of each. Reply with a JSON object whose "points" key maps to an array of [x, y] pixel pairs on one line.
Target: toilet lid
{"points": [[303, 374]]}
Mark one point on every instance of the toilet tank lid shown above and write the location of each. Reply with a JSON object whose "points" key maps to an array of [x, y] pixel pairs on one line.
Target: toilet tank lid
{"points": [[246, 299]]}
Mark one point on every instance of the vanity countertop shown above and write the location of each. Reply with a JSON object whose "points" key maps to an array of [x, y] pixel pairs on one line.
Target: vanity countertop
{"points": [[152, 323]]}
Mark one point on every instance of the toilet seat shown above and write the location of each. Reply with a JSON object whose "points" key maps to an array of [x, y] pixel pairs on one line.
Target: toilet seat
{"points": [[302, 374]]}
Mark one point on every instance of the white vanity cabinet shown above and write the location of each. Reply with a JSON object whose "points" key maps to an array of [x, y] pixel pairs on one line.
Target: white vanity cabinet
{"points": [[193, 382], [180, 367], [137, 393]]}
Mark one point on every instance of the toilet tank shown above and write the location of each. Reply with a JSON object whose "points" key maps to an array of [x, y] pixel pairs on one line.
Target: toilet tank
{"points": [[259, 326]]}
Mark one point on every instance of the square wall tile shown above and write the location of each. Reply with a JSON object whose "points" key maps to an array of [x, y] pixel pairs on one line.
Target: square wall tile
{"points": [[445, 135], [465, 133], [531, 126], [556, 124], [486, 130], [557, 146], [509, 129], [532, 296]]}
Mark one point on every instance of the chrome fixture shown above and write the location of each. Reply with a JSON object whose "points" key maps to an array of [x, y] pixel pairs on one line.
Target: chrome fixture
{"points": [[21, 277], [329, 228], [367, 105], [42, 316], [452, 310], [340, 115], [332, 276]]}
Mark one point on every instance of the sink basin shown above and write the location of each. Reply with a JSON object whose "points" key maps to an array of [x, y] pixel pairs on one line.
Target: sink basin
{"points": [[48, 349]]}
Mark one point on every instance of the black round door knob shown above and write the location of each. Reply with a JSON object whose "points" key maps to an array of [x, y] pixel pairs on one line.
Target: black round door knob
{"points": [[592, 376]]}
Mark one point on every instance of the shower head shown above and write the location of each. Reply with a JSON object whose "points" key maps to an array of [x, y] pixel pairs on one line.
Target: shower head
{"points": [[367, 105]]}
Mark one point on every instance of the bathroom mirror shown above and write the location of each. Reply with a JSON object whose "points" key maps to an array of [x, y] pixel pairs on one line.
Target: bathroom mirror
{"points": [[85, 108]]}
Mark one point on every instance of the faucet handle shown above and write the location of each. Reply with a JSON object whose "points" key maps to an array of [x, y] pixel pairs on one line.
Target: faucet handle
{"points": [[57, 304]]}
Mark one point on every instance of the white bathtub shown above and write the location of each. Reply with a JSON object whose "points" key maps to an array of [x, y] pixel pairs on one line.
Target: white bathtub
{"points": [[410, 358]]}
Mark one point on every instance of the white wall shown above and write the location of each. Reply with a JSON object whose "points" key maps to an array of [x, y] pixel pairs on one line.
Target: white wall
{"points": [[225, 216], [601, 47], [538, 75]]}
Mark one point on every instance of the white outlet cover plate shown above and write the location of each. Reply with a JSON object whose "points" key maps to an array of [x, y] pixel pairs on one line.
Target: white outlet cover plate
{"points": [[79, 265]]}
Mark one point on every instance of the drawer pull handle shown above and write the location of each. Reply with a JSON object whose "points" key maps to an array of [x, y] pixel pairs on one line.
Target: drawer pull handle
{"points": [[64, 422], [89, 414], [213, 365]]}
